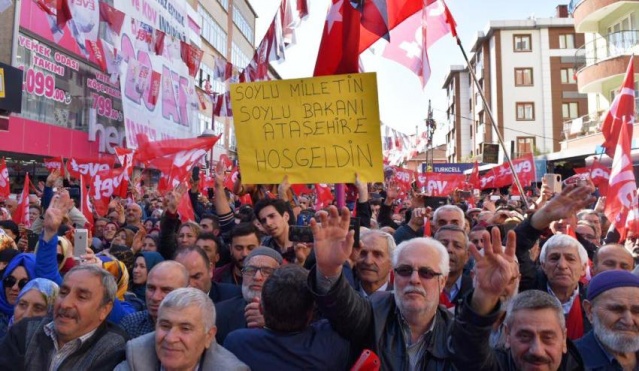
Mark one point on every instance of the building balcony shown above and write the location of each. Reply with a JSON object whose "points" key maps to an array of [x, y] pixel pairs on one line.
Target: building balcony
{"points": [[604, 58], [588, 13], [585, 132]]}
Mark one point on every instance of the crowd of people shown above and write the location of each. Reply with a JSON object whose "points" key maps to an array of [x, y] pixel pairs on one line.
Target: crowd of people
{"points": [[545, 284]]}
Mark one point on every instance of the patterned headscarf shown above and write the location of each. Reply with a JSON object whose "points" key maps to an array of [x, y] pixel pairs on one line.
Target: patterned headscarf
{"points": [[47, 288]]}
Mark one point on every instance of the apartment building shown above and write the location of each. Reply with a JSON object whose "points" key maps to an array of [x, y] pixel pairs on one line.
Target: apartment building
{"points": [[525, 70], [459, 123]]}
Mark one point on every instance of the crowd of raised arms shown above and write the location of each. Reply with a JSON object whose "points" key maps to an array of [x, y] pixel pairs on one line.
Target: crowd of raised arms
{"points": [[280, 284]]}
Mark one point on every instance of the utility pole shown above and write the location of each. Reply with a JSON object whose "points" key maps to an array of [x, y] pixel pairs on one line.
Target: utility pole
{"points": [[430, 132]]}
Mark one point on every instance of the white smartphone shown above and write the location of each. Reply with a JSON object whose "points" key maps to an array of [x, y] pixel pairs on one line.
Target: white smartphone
{"points": [[81, 242], [495, 198], [553, 181]]}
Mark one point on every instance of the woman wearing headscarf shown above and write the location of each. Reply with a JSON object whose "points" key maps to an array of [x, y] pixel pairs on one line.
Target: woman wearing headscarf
{"points": [[144, 262], [64, 255], [19, 272], [35, 300]]}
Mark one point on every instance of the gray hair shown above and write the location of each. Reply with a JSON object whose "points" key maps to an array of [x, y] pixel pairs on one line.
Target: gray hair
{"points": [[563, 240], [429, 243], [453, 228], [582, 214], [375, 233], [106, 278], [535, 300], [449, 208], [184, 273], [185, 297]]}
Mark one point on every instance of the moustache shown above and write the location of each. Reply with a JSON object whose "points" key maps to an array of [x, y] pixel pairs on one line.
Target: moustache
{"points": [[69, 313], [622, 327], [531, 358], [414, 290], [365, 267]]}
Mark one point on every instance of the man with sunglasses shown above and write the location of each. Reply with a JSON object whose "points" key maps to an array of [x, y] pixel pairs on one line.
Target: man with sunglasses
{"points": [[244, 311], [407, 329]]}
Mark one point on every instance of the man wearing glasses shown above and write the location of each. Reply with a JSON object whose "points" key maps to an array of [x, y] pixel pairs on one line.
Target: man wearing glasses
{"points": [[244, 311], [407, 329]]}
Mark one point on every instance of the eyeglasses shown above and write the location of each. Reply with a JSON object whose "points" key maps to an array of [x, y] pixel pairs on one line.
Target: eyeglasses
{"points": [[423, 272], [9, 281], [252, 270]]}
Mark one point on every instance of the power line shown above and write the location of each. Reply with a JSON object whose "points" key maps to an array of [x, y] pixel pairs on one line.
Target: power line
{"points": [[506, 128]]}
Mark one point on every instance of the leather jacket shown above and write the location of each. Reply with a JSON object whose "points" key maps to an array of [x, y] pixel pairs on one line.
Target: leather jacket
{"points": [[376, 324]]}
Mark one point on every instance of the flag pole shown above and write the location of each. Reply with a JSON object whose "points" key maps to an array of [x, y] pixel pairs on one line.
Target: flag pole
{"points": [[493, 123]]}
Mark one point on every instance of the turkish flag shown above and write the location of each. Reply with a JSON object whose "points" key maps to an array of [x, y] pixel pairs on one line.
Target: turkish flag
{"points": [[622, 110], [396, 12], [192, 56], [87, 205], [621, 199], [5, 185], [407, 47], [111, 16], [338, 51], [324, 196], [63, 13], [474, 177], [185, 209], [21, 214]]}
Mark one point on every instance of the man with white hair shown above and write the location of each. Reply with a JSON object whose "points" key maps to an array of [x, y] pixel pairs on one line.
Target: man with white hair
{"points": [[184, 338], [373, 263], [612, 305], [407, 329], [563, 259], [447, 214]]}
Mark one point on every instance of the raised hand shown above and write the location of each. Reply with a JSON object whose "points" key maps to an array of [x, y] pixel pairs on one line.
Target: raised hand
{"points": [[57, 209], [333, 242], [362, 189], [253, 314], [53, 178], [572, 198], [173, 198], [138, 240], [493, 270], [282, 189]]}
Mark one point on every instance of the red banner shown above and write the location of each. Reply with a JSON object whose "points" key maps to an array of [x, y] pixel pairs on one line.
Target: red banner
{"points": [[54, 163], [501, 176], [89, 167], [440, 184], [403, 177], [21, 214]]}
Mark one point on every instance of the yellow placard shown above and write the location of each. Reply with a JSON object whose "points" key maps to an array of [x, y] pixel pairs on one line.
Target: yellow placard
{"points": [[2, 89], [316, 130]]}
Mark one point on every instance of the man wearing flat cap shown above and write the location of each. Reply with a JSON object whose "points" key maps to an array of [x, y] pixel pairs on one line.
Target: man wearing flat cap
{"points": [[244, 311], [612, 306]]}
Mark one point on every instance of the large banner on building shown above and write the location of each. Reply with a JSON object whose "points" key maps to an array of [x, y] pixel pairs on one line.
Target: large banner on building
{"points": [[75, 32], [158, 95], [315, 130]]}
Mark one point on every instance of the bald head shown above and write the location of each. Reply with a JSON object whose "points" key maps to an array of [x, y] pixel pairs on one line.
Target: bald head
{"points": [[612, 257], [164, 278]]}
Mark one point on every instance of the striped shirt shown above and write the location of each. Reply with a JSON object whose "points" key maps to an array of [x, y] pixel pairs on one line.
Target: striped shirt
{"points": [[67, 349]]}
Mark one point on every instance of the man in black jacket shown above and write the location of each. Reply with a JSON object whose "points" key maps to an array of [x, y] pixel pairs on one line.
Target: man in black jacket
{"points": [[78, 337], [536, 335], [406, 329]]}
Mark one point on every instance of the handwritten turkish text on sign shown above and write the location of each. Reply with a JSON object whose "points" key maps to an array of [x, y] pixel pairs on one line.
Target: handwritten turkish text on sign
{"points": [[316, 130]]}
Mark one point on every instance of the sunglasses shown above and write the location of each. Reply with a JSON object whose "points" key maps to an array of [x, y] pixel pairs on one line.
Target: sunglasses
{"points": [[423, 272], [10, 281]]}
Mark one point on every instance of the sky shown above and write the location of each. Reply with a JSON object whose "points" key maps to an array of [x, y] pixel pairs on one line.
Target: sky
{"points": [[403, 102]]}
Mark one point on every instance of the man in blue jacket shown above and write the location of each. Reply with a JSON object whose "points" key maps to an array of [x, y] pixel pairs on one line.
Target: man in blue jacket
{"points": [[612, 306]]}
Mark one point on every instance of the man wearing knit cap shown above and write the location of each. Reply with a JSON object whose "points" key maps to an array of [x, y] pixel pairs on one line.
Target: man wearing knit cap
{"points": [[612, 306], [244, 311]]}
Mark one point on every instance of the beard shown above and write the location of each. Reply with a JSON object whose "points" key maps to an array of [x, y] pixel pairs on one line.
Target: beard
{"points": [[249, 294], [613, 340]]}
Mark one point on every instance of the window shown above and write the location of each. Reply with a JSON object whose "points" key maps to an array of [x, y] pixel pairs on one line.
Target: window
{"points": [[238, 58], [206, 75], [522, 43], [523, 77], [568, 76], [224, 4], [243, 25], [570, 110], [567, 41], [525, 111], [525, 145], [211, 31]]}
